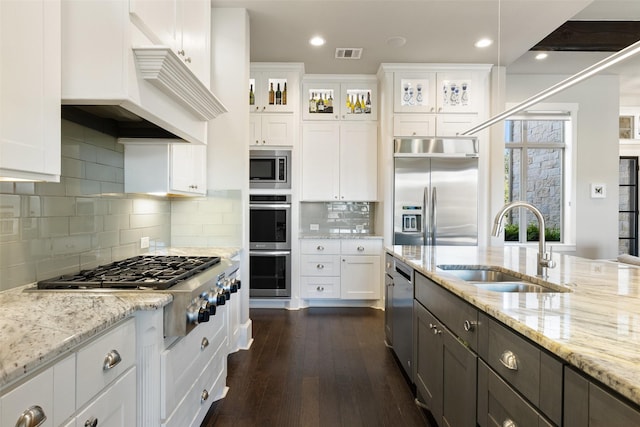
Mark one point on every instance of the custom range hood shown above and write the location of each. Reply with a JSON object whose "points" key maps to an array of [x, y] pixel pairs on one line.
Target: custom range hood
{"points": [[122, 83]]}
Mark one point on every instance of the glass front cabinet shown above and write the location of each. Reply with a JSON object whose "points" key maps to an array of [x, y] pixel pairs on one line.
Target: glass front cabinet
{"points": [[273, 91], [335, 100]]}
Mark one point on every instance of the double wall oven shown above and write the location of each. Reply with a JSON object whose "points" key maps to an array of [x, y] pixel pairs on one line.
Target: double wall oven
{"points": [[270, 245]]}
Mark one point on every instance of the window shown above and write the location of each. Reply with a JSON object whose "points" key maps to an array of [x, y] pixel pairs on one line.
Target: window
{"points": [[534, 165]]}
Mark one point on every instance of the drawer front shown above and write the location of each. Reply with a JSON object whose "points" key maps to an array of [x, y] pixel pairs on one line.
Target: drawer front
{"points": [[317, 246], [498, 403], [507, 348], [459, 317], [317, 287], [92, 372], [184, 360], [320, 265], [362, 247]]}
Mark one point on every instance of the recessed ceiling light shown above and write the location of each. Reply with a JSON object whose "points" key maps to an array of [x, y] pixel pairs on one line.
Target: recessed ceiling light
{"points": [[484, 43], [396, 41], [316, 41], [541, 56]]}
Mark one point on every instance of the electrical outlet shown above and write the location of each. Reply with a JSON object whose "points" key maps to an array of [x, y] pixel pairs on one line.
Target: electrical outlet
{"points": [[144, 242], [598, 191], [314, 227]]}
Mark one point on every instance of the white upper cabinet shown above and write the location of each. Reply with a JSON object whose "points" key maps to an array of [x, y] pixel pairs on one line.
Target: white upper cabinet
{"points": [[414, 92], [30, 87], [458, 92], [336, 100], [271, 129], [183, 25], [272, 89]]}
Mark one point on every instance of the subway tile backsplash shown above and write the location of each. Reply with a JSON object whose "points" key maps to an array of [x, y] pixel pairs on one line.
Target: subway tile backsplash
{"points": [[49, 229]]}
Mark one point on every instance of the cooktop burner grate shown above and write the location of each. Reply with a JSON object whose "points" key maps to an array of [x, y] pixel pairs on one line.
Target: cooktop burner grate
{"points": [[140, 272]]}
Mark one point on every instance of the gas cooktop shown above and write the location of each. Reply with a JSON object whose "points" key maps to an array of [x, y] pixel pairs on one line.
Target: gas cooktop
{"points": [[140, 272]]}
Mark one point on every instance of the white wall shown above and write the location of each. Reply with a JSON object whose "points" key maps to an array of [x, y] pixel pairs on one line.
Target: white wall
{"points": [[597, 154]]}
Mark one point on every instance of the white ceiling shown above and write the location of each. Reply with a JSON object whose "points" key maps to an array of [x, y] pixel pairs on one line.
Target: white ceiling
{"points": [[437, 31]]}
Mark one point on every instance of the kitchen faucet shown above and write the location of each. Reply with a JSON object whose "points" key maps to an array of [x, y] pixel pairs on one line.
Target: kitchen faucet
{"points": [[544, 258]]}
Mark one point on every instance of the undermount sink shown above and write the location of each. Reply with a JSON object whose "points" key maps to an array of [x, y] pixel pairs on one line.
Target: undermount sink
{"points": [[492, 279]]}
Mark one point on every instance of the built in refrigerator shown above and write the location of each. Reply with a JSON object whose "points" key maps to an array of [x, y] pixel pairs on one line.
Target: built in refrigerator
{"points": [[436, 191]]}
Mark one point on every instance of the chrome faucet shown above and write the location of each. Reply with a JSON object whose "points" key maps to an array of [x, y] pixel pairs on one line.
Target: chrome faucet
{"points": [[544, 257]]}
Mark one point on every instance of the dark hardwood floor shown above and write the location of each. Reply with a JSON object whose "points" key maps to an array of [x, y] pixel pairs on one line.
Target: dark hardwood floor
{"points": [[316, 367]]}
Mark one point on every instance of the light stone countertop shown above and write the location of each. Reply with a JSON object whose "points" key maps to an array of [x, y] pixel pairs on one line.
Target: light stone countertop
{"points": [[595, 327], [37, 327]]}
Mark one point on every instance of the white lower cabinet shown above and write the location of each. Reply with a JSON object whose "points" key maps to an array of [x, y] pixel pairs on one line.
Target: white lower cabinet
{"points": [[347, 269]]}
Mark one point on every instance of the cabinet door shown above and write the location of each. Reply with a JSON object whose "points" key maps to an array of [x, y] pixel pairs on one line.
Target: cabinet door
{"points": [[428, 359], [358, 162], [263, 82], [277, 129], [458, 91], [313, 109], [454, 124], [363, 101], [30, 85], [115, 406], [193, 34], [37, 391], [157, 19], [459, 384], [414, 92], [414, 125], [360, 277], [188, 168], [320, 164]]}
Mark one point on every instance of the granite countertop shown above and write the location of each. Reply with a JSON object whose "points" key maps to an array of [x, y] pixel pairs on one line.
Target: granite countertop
{"points": [[595, 327], [36, 327]]}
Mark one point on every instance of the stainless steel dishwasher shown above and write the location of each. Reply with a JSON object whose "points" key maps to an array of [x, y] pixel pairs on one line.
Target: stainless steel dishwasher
{"points": [[399, 281]]}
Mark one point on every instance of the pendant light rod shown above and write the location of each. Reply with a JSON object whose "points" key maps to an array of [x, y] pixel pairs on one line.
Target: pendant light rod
{"points": [[558, 87]]}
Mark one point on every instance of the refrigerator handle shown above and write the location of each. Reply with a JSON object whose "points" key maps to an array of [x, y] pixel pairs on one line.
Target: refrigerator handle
{"points": [[434, 215], [426, 221]]}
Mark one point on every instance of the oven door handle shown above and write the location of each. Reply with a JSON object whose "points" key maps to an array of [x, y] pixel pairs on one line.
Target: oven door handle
{"points": [[271, 206], [270, 253]]}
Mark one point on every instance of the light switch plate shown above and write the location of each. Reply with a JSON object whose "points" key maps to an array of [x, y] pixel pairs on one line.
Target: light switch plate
{"points": [[144, 242], [314, 227], [598, 191]]}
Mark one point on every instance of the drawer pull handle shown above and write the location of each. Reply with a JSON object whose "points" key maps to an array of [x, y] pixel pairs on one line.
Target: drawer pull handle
{"points": [[320, 266], [204, 344], [436, 331], [111, 360], [469, 325], [32, 417], [204, 396], [320, 288], [91, 422], [360, 248], [509, 423], [431, 326], [509, 360], [320, 248]]}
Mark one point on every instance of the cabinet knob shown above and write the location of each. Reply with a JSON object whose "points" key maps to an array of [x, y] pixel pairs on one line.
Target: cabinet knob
{"points": [[436, 331], [204, 344], [509, 360], [111, 360], [257, 108], [91, 422], [264, 142], [414, 134], [187, 60], [360, 248], [320, 248], [320, 289], [509, 423], [32, 417], [181, 52], [469, 325], [257, 142], [320, 266], [264, 108], [336, 116], [204, 396]]}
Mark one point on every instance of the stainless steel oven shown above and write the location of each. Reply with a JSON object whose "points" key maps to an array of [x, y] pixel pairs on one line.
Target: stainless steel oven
{"points": [[270, 245]]}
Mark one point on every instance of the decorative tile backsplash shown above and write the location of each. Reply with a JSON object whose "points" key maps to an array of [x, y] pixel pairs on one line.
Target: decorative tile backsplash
{"points": [[85, 220], [337, 218]]}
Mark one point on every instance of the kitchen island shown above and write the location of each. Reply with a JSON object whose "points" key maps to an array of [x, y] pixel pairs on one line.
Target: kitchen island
{"points": [[594, 326]]}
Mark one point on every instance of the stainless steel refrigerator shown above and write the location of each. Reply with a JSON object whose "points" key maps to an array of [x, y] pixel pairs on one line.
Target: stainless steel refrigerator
{"points": [[436, 191]]}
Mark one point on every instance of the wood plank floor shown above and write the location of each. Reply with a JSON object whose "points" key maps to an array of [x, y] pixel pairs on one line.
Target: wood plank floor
{"points": [[316, 367]]}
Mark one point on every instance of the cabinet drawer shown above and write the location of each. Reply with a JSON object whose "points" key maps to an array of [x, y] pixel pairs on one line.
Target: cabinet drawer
{"points": [[92, 372], [331, 247], [414, 125], [320, 265], [319, 287], [185, 359], [361, 247], [531, 371], [498, 403], [459, 316]]}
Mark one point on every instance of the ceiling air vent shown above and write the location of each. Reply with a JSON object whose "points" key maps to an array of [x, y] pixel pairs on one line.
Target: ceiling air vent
{"points": [[348, 52]]}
